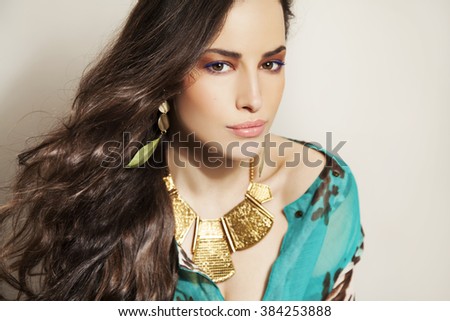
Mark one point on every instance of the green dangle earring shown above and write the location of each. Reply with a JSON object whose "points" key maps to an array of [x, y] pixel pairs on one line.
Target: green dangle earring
{"points": [[146, 152]]}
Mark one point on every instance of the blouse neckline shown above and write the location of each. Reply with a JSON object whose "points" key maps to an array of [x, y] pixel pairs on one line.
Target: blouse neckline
{"points": [[297, 203]]}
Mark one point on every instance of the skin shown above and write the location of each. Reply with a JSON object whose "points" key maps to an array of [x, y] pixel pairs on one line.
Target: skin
{"points": [[224, 90], [242, 89]]}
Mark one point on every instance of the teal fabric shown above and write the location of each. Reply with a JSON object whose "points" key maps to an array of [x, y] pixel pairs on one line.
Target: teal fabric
{"points": [[324, 235]]}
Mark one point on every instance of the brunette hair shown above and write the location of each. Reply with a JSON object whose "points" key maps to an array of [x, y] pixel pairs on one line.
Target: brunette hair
{"points": [[75, 229]]}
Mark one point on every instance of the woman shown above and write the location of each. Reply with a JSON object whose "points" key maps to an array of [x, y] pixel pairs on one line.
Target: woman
{"points": [[193, 214]]}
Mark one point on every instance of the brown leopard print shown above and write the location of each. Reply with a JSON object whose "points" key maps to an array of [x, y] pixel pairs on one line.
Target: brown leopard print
{"points": [[342, 290], [323, 191]]}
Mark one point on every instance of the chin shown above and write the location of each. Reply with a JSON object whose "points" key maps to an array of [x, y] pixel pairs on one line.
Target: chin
{"points": [[245, 152]]}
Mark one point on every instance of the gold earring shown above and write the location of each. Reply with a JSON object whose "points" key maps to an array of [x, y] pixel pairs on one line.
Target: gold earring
{"points": [[145, 152]]}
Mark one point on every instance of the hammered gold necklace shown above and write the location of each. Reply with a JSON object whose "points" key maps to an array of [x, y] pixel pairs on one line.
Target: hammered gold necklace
{"points": [[216, 239]]}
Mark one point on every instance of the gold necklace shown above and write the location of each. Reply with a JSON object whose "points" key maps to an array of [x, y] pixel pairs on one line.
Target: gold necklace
{"points": [[215, 239]]}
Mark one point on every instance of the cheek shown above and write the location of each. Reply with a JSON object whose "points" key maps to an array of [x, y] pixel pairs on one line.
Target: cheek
{"points": [[272, 93], [204, 100]]}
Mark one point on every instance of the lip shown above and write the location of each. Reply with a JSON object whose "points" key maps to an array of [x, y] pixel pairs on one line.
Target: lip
{"points": [[248, 129]]}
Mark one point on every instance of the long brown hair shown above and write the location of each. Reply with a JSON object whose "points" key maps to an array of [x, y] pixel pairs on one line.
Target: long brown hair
{"points": [[77, 228]]}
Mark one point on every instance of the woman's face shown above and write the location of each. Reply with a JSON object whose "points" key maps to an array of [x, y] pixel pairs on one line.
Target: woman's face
{"points": [[239, 79]]}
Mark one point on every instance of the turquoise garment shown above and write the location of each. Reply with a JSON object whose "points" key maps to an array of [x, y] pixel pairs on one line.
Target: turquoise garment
{"points": [[323, 241]]}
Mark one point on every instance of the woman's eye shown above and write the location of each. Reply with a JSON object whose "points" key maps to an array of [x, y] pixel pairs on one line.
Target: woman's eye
{"points": [[275, 65], [217, 67]]}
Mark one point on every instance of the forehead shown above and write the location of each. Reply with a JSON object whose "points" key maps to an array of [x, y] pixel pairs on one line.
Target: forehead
{"points": [[252, 25]]}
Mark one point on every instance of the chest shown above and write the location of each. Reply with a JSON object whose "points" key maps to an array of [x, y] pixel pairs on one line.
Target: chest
{"points": [[252, 265]]}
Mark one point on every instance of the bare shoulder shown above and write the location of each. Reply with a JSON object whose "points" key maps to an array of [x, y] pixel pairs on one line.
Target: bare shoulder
{"points": [[297, 167]]}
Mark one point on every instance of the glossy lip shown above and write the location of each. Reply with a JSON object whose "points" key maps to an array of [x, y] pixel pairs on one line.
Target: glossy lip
{"points": [[248, 129], [248, 124]]}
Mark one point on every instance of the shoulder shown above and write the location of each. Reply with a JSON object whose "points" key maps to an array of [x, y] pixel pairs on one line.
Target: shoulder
{"points": [[308, 173]]}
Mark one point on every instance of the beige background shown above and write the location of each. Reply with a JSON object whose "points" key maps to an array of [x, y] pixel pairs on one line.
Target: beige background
{"points": [[374, 73]]}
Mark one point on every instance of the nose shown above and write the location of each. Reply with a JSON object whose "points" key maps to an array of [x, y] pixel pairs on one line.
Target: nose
{"points": [[249, 92]]}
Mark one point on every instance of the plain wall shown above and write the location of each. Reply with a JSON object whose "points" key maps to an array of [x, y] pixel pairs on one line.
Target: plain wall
{"points": [[373, 73]]}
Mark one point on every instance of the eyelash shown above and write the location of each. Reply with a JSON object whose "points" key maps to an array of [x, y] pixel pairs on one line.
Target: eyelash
{"points": [[208, 67]]}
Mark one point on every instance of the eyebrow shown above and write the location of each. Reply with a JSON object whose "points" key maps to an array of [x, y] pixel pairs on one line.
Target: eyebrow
{"points": [[237, 55]]}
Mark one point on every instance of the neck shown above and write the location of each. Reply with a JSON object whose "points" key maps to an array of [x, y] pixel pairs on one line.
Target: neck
{"points": [[197, 172], [191, 167]]}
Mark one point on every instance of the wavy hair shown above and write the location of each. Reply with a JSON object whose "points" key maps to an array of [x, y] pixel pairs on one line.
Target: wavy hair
{"points": [[75, 229]]}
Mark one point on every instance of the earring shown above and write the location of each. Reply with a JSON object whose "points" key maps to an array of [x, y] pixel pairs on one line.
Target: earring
{"points": [[145, 152]]}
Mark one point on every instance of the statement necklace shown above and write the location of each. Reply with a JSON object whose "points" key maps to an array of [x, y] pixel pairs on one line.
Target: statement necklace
{"points": [[215, 239]]}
